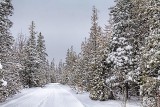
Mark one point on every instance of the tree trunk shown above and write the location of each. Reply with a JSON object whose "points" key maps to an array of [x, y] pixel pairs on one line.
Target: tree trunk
{"points": [[126, 90]]}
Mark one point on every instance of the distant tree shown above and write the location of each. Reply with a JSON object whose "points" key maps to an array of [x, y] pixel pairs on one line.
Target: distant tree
{"points": [[59, 71], [69, 66], [53, 71]]}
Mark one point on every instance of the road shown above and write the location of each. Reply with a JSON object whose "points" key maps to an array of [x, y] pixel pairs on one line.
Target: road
{"points": [[53, 95]]}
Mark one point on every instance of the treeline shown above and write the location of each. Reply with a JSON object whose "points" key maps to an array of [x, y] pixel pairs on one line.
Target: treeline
{"points": [[121, 60], [24, 60]]}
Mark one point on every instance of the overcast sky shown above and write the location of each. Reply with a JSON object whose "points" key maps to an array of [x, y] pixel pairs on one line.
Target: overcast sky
{"points": [[62, 22]]}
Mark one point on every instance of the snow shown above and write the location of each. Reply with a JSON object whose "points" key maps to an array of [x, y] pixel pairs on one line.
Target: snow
{"points": [[87, 102], [114, 38], [120, 49], [111, 79], [4, 83], [130, 78], [57, 95], [128, 47], [0, 66]]}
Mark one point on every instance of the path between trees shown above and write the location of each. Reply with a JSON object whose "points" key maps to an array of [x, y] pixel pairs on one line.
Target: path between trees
{"points": [[53, 95]]}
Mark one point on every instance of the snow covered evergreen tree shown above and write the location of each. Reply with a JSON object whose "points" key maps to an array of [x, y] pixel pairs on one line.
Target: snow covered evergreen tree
{"points": [[80, 75], [122, 46], [6, 40], [70, 66], [85, 53], [32, 73], [151, 54], [97, 66], [41, 48], [10, 74], [20, 54], [2, 85], [41, 51], [59, 72], [48, 73], [19, 48], [67, 67], [53, 71]]}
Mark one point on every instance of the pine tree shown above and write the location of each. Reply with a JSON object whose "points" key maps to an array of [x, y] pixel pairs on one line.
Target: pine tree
{"points": [[2, 85], [70, 66], [97, 71], [85, 53], [59, 71], [41, 48], [32, 63], [53, 71], [92, 46], [67, 67], [80, 76], [122, 57], [150, 83], [19, 50], [6, 40], [48, 73], [10, 73], [41, 51]]}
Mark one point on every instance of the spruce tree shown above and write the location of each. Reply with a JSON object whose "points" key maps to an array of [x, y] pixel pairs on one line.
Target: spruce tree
{"points": [[41, 52], [6, 40], [121, 56], [70, 66], [32, 63], [97, 71], [80, 76], [151, 57], [85, 52], [53, 71], [59, 71], [10, 73]]}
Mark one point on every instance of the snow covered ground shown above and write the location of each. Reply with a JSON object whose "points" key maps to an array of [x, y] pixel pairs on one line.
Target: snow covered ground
{"points": [[57, 95]]}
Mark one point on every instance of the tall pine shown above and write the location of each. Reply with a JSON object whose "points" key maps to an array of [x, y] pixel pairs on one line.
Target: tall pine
{"points": [[41, 51], [32, 63], [97, 69]]}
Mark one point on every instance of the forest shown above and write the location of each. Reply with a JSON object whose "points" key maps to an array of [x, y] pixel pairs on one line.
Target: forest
{"points": [[118, 62]]}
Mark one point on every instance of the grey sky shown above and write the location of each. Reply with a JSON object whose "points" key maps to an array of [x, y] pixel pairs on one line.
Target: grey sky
{"points": [[62, 22]]}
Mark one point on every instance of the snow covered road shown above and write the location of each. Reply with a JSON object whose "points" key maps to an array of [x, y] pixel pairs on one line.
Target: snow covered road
{"points": [[57, 95], [53, 95]]}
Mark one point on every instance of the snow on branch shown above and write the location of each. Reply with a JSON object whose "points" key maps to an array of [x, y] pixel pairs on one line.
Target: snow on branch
{"points": [[4, 83], [0, 66]]}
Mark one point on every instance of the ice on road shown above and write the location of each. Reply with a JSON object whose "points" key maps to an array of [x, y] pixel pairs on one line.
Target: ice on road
{"points": [[53, 95]]}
